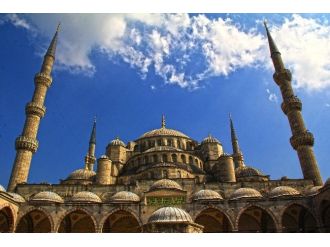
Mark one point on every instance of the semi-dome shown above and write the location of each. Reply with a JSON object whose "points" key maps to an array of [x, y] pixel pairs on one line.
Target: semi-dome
{"points": [[245, 193], [117, 142], [2, 188], [163, 132], [85, 196], [47, 196], [125, 196], [312, 191], [210, 139], [165, 184], [207, 195], [81, 174], [247, 171], [170, 215], [283, 191], [17, 197]]}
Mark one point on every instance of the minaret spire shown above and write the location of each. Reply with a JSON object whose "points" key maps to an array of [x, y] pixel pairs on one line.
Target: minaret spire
{"points": [[90, 157], [163, 121], [27, 144], [237, 154], [302, 140]]}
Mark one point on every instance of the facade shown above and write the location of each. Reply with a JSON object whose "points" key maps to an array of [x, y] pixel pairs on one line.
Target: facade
{"points": [[165, 181]]}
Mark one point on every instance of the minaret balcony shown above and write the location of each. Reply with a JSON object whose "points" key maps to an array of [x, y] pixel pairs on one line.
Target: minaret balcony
{"points": [[35, 109], [27, 143], [291, 104], [302, 139], [43, 79], [283, 76]]}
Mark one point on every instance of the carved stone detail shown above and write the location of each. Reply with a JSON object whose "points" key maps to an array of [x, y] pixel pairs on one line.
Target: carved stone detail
{"points": [[23, 142], [43, 78], [290, 104], [280, 77]]}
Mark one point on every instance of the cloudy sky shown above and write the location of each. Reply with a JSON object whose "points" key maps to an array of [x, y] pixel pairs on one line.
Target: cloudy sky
{"points": [[128, 69]]}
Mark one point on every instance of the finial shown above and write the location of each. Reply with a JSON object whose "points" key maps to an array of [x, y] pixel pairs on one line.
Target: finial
{"points": [[92, 140], [272, 46], [163, 121], [58, 27], [232, 129]]}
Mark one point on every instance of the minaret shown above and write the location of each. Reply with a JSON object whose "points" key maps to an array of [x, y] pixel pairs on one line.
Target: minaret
{"points": [[237, 154], [302, 140], [26, 144], [90, 157]]}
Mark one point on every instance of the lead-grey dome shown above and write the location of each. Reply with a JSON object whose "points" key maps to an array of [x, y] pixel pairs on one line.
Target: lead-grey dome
{"points": [[81, 174], [47, 196], [247, 171], [117, 142], [245, 193], [281, 191], [165, 184], [169, 214], [85, 196], [210, 139], [17, 197], [125, 196], [204, 195]]}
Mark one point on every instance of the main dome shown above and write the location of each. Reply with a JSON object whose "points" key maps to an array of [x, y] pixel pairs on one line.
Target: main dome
{"points": [[163, 132]]}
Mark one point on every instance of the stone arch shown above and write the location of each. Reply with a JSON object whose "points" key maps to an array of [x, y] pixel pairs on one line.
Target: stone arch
{"points": [[7, 219], [325, 214], [296, 217], [164, 158], [121, 220], [83, 221], [174, 158], [36, 220], [255, 218], [214, 220], [183, 159]]}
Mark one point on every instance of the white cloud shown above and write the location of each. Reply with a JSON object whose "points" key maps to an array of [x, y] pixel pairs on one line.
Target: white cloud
{"points": [[184, 50], [271, 96], [327, 105]]}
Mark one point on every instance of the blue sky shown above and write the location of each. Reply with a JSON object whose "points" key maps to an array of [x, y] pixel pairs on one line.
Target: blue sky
{"points": [[196, 69]]}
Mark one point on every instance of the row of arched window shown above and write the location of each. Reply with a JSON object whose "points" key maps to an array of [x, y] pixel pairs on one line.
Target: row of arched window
{"points": [[171, 142]]}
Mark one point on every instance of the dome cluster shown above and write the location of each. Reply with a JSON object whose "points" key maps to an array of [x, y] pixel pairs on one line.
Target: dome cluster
{"points": [[169, 215], [165, 184], [163, 132]]}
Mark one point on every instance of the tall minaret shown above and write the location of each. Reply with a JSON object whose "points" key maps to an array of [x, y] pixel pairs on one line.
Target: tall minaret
{"points": [[26, 144], [302, 140], [237, 154], [90, 157]]}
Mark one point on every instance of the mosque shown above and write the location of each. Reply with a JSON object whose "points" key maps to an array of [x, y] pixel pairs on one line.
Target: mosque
{"points": [[165, 181]]}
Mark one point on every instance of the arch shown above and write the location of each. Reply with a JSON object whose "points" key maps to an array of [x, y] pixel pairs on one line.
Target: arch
{"points": [[255, 218], [6, 219], [36, 220], [121, 221], [164, 158], [77, 220], [298, 218], [155, 158], [174, 158], [191, 161], [183, 159], [325, 215], [213, 220]]}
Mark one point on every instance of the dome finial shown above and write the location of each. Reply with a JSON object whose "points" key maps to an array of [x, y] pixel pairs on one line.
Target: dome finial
{"points": [[163, 121]]}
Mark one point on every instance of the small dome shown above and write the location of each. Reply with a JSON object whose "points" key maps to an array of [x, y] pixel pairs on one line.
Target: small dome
{"points": [[312, 191], [247, 171], [125, 196], [2, 188], [169, 214], [47, 196], [117, 142], [207, 195], [283, 191], [165, 184], [210, 139], [17, 197], [245, 193], [83, 174], [163, 132], [104, 157], [85, 196]]}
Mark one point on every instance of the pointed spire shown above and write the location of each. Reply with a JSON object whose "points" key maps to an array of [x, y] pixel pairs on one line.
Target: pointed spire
{"points": [[232, 129], [92, 140], [163, 121], [52, 47], [272, 46]]}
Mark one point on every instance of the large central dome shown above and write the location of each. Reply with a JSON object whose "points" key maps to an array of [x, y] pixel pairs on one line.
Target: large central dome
{"points": [[163, 131]]}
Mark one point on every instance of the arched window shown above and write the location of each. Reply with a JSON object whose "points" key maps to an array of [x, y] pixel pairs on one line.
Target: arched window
{"points": [[179, 144], [179, 174], [170, 142], [146, 160], [155, 158], [191, 160], [164, 158], [183, 158], [159, 142], [174, 158], [165, 175]]}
